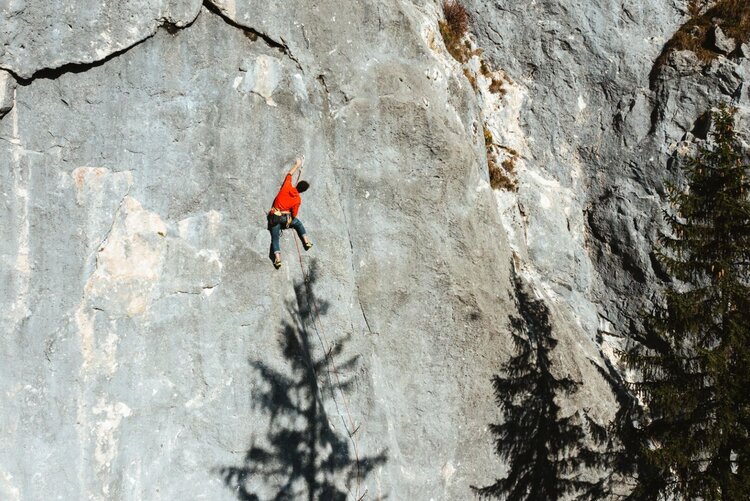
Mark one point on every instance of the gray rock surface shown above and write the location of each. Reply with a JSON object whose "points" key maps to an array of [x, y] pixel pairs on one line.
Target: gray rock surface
{"points": [[145, 328], [602, 124], [582, 216], [7, 89], [723, 43], [139, 299], [51, 34]]}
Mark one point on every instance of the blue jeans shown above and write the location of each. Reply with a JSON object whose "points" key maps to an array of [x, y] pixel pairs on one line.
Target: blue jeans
{"points": [[276, 233]]}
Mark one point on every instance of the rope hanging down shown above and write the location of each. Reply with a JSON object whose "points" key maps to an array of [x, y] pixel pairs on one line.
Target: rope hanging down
{"points": [[351, 428]]}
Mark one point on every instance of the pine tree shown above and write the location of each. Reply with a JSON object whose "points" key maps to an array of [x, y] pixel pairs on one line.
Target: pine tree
{"points": [[548, 454], [695, 361]]}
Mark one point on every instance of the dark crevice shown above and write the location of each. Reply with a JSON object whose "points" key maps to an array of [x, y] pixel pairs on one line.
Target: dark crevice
{"points": [[254, 34], [656, 116], [327, 103], [171, 28], [702, 126], [322, 80], [54, 73]]}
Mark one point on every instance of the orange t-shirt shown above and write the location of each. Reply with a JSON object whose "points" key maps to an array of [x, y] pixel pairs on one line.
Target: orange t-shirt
{"points": [[288, 198]]}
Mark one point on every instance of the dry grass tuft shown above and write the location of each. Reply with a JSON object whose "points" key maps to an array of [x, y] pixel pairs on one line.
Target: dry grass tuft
{"points": [[484, 69], [453, 43], [513, 152], [454, 29], [489, 140], [497, 86], [732, 16], [470, 77], [497, 79], [502, 177], [695, 6], [456, 17]]}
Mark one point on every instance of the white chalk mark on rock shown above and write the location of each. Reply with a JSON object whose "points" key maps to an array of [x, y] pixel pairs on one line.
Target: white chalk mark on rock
{"points": [[8, 491], [21, 174], [262, 77], [106, 429]]}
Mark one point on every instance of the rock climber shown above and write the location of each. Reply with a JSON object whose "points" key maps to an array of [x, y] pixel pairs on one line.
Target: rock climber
{"points": [[283, 214]]}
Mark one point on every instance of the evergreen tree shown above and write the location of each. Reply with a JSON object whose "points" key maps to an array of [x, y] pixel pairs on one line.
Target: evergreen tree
{"points": [[695, 360], [550, 456]]}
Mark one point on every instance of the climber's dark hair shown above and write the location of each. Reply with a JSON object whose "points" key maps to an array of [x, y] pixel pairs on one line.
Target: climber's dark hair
{"points": [[302, 186]]}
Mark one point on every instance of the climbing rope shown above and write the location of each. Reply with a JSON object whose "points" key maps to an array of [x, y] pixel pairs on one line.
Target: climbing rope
{"points": [[352, 428]]}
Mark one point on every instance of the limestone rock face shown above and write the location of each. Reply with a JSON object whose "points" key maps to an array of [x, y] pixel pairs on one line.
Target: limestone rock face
{"points": [[7, 88], [151, 351], [51, 34], [723, 43], [143, 320], [603, 122]]}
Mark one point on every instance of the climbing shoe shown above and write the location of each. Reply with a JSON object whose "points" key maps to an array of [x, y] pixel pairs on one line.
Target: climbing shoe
{"points": [[308, 246], [277, 263]]}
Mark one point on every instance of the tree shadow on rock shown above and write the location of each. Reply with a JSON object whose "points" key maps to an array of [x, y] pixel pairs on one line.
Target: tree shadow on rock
{"points": [[550, 456], [626, 443], [304, 455]]}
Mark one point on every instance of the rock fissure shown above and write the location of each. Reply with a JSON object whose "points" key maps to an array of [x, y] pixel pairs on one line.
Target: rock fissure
{"points": [[281, 46], [304, 35], [364, 316], [354, 273], [168, 25], [321, 79], [72, 67], [117, 212]]}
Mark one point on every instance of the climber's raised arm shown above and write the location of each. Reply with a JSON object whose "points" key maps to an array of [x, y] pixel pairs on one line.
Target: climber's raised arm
{"points": [[297, 165]]}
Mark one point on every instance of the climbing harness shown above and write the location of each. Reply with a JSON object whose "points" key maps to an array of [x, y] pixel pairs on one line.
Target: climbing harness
{"points": [[284, 218]]}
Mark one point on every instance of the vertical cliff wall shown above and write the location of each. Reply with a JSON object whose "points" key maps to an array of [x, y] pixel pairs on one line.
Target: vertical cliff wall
{"points": [[142, 154], [151, 351], [609, 101]]}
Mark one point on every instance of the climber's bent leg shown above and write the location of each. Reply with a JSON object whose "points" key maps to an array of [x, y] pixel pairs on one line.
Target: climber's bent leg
{"points": [[275, 234], [300, 229]]}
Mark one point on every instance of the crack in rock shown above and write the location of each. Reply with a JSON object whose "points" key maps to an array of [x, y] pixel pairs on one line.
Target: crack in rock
{"points": [[281, 46], [53, 73], [171, 27]]}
